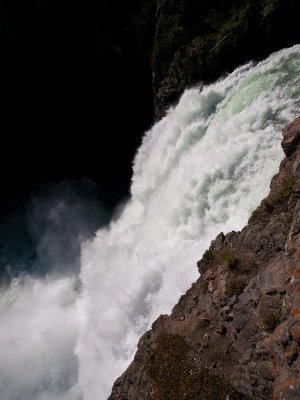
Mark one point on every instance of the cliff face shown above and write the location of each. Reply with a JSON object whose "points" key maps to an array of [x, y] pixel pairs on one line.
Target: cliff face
{"points": [[197, 41], [235, 334]]}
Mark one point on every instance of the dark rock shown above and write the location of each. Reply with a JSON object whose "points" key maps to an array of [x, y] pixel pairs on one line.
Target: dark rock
{"points": [[222, 330], [217, 244], [291, 136]]}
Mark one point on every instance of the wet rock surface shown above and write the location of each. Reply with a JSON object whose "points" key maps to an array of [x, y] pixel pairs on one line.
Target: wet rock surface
{"points": [[235, 334]]}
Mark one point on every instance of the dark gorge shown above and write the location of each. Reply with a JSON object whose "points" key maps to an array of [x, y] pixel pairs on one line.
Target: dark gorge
{"points": [[75, 91], [79, 80]]}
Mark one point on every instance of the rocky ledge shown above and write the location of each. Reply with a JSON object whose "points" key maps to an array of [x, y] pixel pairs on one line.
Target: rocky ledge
{"points": [[235, 334]]}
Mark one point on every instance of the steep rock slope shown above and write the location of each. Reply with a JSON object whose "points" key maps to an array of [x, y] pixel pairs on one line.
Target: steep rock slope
{"points": [[235, 334]]}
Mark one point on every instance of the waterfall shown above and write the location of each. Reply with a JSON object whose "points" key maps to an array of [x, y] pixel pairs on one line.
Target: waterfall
{"points": [[201, 170]]}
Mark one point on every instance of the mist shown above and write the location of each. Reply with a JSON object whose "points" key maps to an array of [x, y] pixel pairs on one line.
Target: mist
{"points": [[38, 303]]}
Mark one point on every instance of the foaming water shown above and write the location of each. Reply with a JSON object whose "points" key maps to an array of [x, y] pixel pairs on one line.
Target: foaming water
{"points": [[39, 316], [200, 170], [37, 338]]}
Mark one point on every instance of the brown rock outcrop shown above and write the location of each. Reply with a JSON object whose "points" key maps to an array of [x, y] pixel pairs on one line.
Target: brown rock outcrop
{"points": [[235, 334]]}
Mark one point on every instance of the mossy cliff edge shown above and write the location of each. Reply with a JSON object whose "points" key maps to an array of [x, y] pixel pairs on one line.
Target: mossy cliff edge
{"points": [[235, 334]]}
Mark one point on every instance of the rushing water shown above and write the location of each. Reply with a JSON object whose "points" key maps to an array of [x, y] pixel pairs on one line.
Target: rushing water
{"points": [[200, 170]]}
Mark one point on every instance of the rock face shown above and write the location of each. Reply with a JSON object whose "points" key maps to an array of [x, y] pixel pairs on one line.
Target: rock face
{"points": [[197, 41], [235, 334]]}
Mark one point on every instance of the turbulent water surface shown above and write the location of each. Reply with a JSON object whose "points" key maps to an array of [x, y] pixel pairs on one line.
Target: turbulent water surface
{"points": [[201, 170]]}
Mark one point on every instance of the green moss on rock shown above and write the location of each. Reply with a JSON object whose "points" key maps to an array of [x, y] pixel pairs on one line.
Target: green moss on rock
{"points": [[285, 192], [229, 257], [270, 318], [174, 379], [235, 285], [208, 257]]}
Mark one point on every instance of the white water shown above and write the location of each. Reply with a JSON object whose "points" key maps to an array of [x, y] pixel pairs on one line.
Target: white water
{"points": [[199, 171]]}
